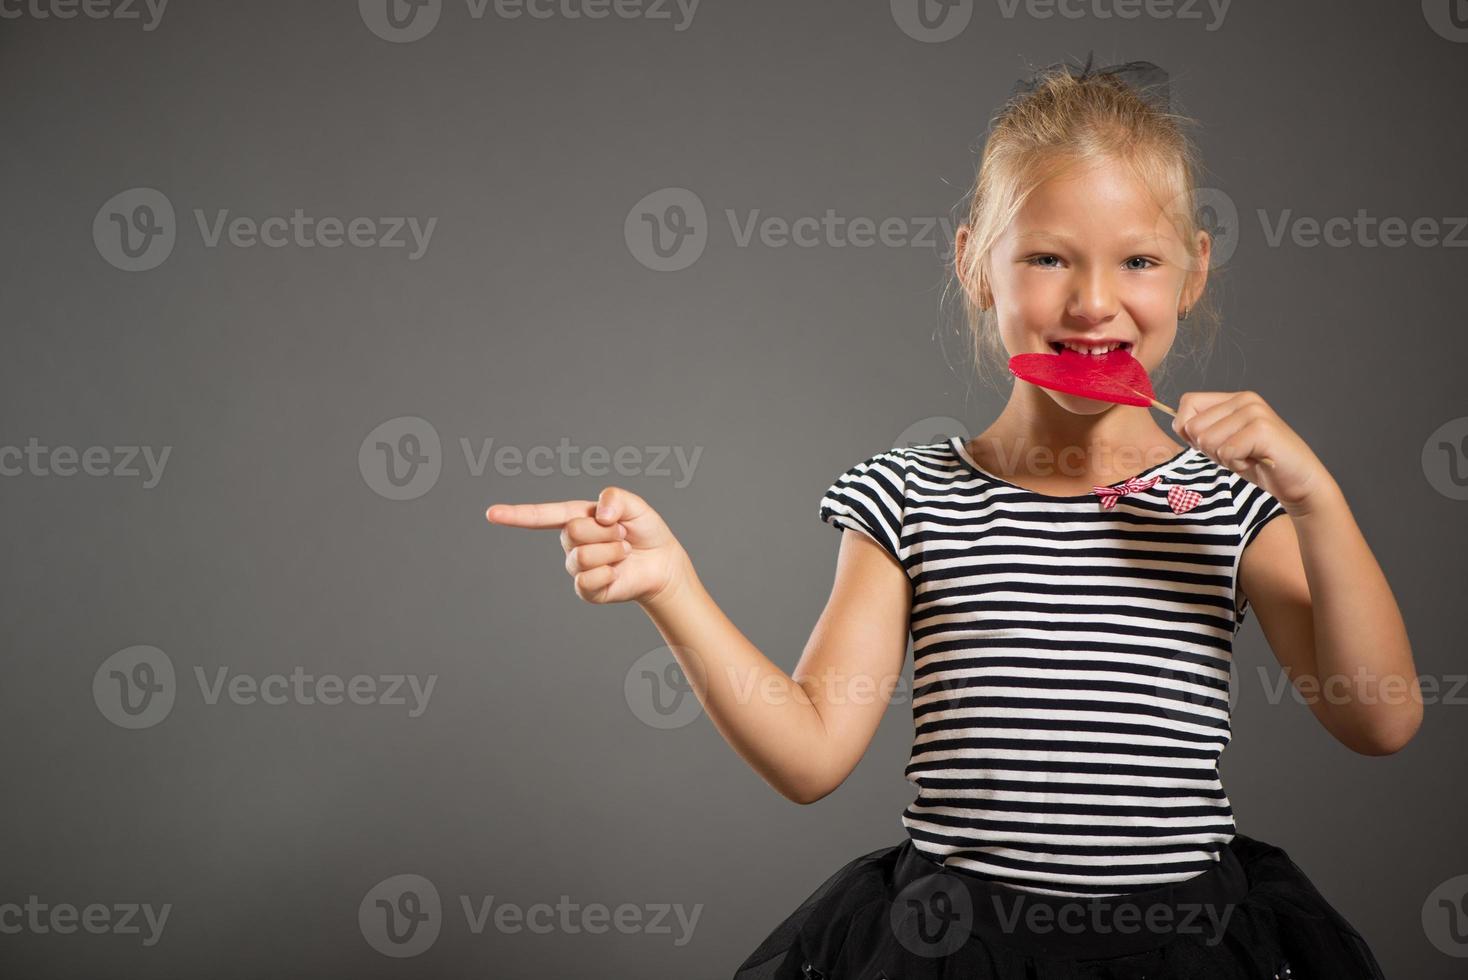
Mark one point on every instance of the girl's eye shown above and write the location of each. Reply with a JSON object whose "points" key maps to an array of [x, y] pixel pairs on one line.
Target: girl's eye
{"points": [[1044, 262]]}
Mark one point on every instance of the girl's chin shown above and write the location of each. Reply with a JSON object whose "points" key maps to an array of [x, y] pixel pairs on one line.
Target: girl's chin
{"points": [[1078, 404]]}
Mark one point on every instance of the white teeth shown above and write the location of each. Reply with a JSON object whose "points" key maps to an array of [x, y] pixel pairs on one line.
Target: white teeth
{"points": [[1091, 350]]}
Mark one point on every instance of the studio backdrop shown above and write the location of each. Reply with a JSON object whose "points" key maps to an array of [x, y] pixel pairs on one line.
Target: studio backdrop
{"points": [[293, 292]]}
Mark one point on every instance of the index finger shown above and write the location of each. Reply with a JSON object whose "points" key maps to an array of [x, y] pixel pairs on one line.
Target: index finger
{"points": [[1197, 402], [552, 514]]}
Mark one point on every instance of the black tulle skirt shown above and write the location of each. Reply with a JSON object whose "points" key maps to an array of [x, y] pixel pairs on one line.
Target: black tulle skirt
{"points": [[895, 914]]}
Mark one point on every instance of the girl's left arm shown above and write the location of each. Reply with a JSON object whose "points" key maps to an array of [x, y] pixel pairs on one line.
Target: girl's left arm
{"points": [[1319, 595]]}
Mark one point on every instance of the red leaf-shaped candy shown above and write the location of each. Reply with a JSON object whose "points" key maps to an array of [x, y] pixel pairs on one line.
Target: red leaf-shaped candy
{"points": [[1104, 377]]}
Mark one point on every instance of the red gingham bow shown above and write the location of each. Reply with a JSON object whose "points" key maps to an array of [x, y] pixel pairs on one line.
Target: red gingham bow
{"points": [[1110, 495], [1179, 499]]}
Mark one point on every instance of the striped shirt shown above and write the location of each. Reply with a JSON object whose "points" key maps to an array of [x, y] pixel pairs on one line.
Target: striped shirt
{"points": [[1071, 665]]}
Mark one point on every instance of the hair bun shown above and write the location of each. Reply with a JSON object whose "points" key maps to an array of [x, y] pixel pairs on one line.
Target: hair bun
{"points": [[1149, 81]]}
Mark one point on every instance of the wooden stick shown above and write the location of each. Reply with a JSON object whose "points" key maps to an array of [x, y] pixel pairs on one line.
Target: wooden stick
{"points": [[1157, 404]]}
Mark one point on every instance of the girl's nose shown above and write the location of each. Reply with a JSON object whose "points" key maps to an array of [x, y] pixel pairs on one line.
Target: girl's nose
{"points": [[1094, 300]]}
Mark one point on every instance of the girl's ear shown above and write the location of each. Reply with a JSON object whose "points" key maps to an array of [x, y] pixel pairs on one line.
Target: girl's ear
{"points": [[973, 283], [1197, 276], [961, 239]]}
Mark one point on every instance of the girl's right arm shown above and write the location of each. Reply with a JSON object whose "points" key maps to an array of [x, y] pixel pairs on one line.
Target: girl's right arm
{"points": [[803, 734]]}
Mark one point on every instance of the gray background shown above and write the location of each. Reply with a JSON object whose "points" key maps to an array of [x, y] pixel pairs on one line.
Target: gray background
{"points": [[530, 320]]}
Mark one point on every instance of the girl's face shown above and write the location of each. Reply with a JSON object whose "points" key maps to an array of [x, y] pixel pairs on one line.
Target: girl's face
{"points": [[1092, 259]]}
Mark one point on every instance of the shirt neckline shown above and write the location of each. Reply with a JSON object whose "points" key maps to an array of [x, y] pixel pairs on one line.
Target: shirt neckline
{"points": [[956, 443]]}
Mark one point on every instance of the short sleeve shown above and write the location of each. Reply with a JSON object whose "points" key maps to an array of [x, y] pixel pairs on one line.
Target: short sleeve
{"points": [[1255, 507], [871, 498]]}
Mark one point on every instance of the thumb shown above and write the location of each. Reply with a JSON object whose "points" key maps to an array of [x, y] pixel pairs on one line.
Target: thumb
{"points": [[616, 504]]}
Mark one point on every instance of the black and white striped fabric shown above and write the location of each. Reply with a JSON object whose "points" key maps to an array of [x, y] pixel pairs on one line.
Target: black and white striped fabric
{"points": [[1070, 665]]}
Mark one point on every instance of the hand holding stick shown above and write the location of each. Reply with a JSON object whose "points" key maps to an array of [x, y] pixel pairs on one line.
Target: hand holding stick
{"points": [[1157, 404]]}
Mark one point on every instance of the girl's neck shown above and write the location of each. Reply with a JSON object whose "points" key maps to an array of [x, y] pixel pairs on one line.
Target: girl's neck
{"points": [[1034, 437]]}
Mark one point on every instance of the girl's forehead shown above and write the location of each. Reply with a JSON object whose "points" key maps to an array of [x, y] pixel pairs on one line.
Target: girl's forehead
{"points": [[1103, 186], [1110, 204]]}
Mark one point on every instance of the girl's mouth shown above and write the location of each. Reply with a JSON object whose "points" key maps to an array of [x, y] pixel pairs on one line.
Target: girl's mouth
{"points": [[1090, 349]]}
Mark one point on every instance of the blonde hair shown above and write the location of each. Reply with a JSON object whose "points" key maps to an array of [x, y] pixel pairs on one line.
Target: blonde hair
{"points": [[1063, 122]]}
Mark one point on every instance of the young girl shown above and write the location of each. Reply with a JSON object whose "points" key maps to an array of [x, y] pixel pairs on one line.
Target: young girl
{"points": [[1071, 581]]}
